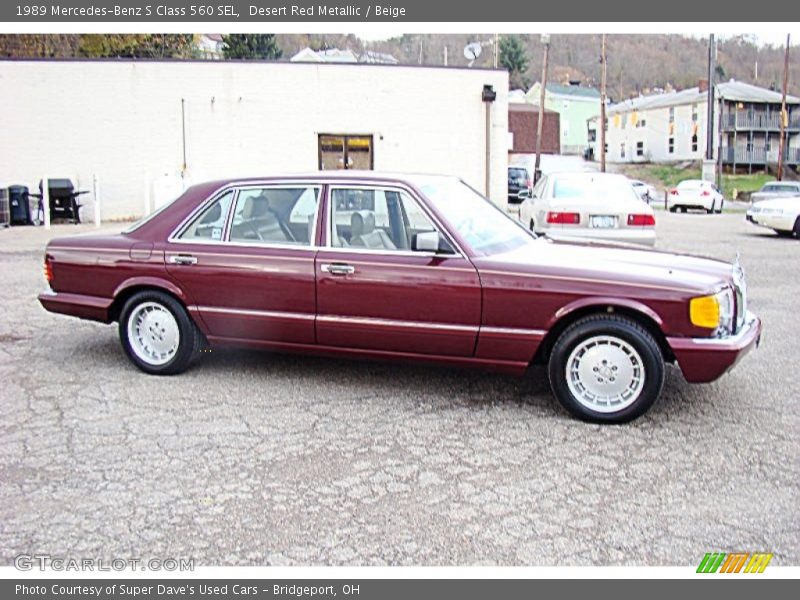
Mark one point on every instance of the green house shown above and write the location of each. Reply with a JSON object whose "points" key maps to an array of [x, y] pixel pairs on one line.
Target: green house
{"points": [[576, 104]]}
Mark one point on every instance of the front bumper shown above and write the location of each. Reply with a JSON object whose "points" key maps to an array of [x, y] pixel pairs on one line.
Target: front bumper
{"points": [[703, 360], [772, 221]]}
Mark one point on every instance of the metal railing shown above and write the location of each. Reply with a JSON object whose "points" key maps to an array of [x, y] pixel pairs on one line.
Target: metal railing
{"points": [[758, 155], [770, 122]]}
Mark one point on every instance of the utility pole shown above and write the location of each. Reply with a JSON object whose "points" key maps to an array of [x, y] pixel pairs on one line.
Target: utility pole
{"points": [[784, 113], [710, 119], [496, 50], [603, 104], [540, 122]]}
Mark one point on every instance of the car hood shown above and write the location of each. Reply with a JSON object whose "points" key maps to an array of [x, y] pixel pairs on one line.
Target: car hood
{"points": [[623, 264]]}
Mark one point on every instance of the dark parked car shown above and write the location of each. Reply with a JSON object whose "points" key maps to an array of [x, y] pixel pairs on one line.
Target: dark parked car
{"points": [[520, 184], [403, 267]]}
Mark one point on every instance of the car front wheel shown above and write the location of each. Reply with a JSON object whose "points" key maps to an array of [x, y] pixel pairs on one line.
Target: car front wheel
{"points": [[157, 334], [606, 369]]}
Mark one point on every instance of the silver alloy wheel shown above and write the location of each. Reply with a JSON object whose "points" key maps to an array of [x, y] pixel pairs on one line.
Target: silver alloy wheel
{"points": [[605, 374], [153, 333]]}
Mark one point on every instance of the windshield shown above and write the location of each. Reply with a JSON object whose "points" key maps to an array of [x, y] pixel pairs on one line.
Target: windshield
{"points": [[486, 228], [595, 188]]}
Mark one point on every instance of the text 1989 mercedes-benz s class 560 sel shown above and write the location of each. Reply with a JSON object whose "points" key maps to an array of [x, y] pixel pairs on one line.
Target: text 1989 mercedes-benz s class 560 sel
{"points": [[411, 267]]}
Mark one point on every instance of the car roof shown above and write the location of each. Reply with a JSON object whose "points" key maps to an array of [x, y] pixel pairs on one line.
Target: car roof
{"points": [[587, 176], [348, 175]]}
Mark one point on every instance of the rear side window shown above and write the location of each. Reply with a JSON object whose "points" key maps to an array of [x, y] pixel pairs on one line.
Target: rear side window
{"points": [[275, 215], [210, 223]]}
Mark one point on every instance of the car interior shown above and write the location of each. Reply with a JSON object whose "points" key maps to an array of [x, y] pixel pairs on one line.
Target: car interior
{"points": [[376, 219]]}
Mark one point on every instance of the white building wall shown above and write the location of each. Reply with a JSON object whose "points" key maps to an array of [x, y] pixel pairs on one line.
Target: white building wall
{"points": [[121, 120], [655, 135]]}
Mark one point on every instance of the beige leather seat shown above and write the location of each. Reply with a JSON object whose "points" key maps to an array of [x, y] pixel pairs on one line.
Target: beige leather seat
{"points": [[364, 234]]}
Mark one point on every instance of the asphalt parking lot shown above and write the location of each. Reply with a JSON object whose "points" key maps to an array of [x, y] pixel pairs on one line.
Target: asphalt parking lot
{"points": [[252, 458]]}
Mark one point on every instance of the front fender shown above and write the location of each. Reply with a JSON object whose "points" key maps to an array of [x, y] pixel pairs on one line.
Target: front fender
{"points": [[603, 302]]}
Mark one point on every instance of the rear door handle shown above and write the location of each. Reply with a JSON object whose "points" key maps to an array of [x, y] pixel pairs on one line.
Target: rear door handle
{"points": [[337, 268], [183, 259]]}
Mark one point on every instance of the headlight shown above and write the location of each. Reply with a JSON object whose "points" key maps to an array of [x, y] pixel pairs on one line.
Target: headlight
{"points": [[713, 312]]}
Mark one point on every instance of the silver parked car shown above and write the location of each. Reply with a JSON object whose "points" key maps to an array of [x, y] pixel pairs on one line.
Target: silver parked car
{"points": [[598, 206], [776, 189], [644, 190]]}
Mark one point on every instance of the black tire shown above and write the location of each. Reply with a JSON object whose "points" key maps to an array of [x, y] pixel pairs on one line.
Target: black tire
{"points": [[612, 326], [684, 209], [713, 208], [784, 234], [190, 340], [532, 225], [721, 206], [673, 209], [797, 227]]}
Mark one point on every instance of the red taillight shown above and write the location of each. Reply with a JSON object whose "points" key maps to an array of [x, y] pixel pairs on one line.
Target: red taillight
{"points": [[641, 220], [563, 218], [48, 268], [673, 192], [705, 193]]}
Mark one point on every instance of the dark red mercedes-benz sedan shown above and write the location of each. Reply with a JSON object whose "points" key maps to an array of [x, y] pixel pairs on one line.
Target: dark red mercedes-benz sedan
{"points": [[406, 267]]}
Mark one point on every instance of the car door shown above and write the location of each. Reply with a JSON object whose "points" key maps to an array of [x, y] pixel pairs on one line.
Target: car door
{"points": [[246, 261], [375, 292]]}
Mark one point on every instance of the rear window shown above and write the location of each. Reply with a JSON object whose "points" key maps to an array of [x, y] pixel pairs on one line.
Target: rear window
{"points": [[517, 174], [590, 188], [690, 185]]}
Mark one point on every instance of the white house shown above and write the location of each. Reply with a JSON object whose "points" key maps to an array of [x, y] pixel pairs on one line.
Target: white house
{"points": [[134, 124], [671, 127]]}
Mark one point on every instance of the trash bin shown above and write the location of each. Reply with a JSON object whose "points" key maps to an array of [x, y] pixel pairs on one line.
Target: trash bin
{"points": [[19, 205], [5, 217]]}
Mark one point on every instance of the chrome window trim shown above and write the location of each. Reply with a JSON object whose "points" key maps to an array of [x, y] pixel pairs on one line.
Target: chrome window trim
{"points": [[387, 186], [236, 188]]}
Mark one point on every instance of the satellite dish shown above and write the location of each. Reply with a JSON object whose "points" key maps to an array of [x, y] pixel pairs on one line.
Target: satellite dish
{"points": [[472, 52]]}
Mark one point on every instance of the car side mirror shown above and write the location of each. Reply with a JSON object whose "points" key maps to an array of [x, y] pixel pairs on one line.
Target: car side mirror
{"points": [[430, 241], [524, 193]]}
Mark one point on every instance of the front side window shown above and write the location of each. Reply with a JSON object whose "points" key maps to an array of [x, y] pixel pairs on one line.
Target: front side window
{"points": [[275, 215], [376, 219], [210, 223]]}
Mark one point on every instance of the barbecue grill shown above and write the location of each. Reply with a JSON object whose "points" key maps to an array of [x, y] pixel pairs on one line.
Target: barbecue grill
{"points": [[63, 199]]}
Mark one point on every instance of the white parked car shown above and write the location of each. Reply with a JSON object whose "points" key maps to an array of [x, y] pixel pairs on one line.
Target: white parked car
{"points": [[776, 189], [644, 190], [600, 206], [781, 215], [696, 194]]}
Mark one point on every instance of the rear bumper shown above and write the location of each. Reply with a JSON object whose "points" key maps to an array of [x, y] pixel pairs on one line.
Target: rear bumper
{"points": [[703, 360], [76, 305], [630, 235]]}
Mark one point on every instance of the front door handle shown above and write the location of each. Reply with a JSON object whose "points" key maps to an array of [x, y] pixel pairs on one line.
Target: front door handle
{"points": [[337, 268], [183, 259]]}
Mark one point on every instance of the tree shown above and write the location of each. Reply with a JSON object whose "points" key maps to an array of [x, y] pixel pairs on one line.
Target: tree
{"points": [[39, 45], [251, 45], [514, 58], [136, 46]]}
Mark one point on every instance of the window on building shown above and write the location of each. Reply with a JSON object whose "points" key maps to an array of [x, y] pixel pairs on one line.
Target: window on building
{"points": [[593, 135], [622, 150], [694, 143], [623, 121], [694, 113], [671, 114], [639, 148], [605, 124], [671, 145], [345, 152], [641, 123]]}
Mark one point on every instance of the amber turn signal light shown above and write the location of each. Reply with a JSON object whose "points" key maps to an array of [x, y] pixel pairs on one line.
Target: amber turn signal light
{"points": [[704, 312]]}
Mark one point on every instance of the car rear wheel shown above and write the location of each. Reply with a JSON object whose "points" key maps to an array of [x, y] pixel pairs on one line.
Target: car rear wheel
{"points": [[683, 209], [157, 334], [797, 227], [606, 369], [721, 206], [532, 225], [673, 209], [713, 208]]}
